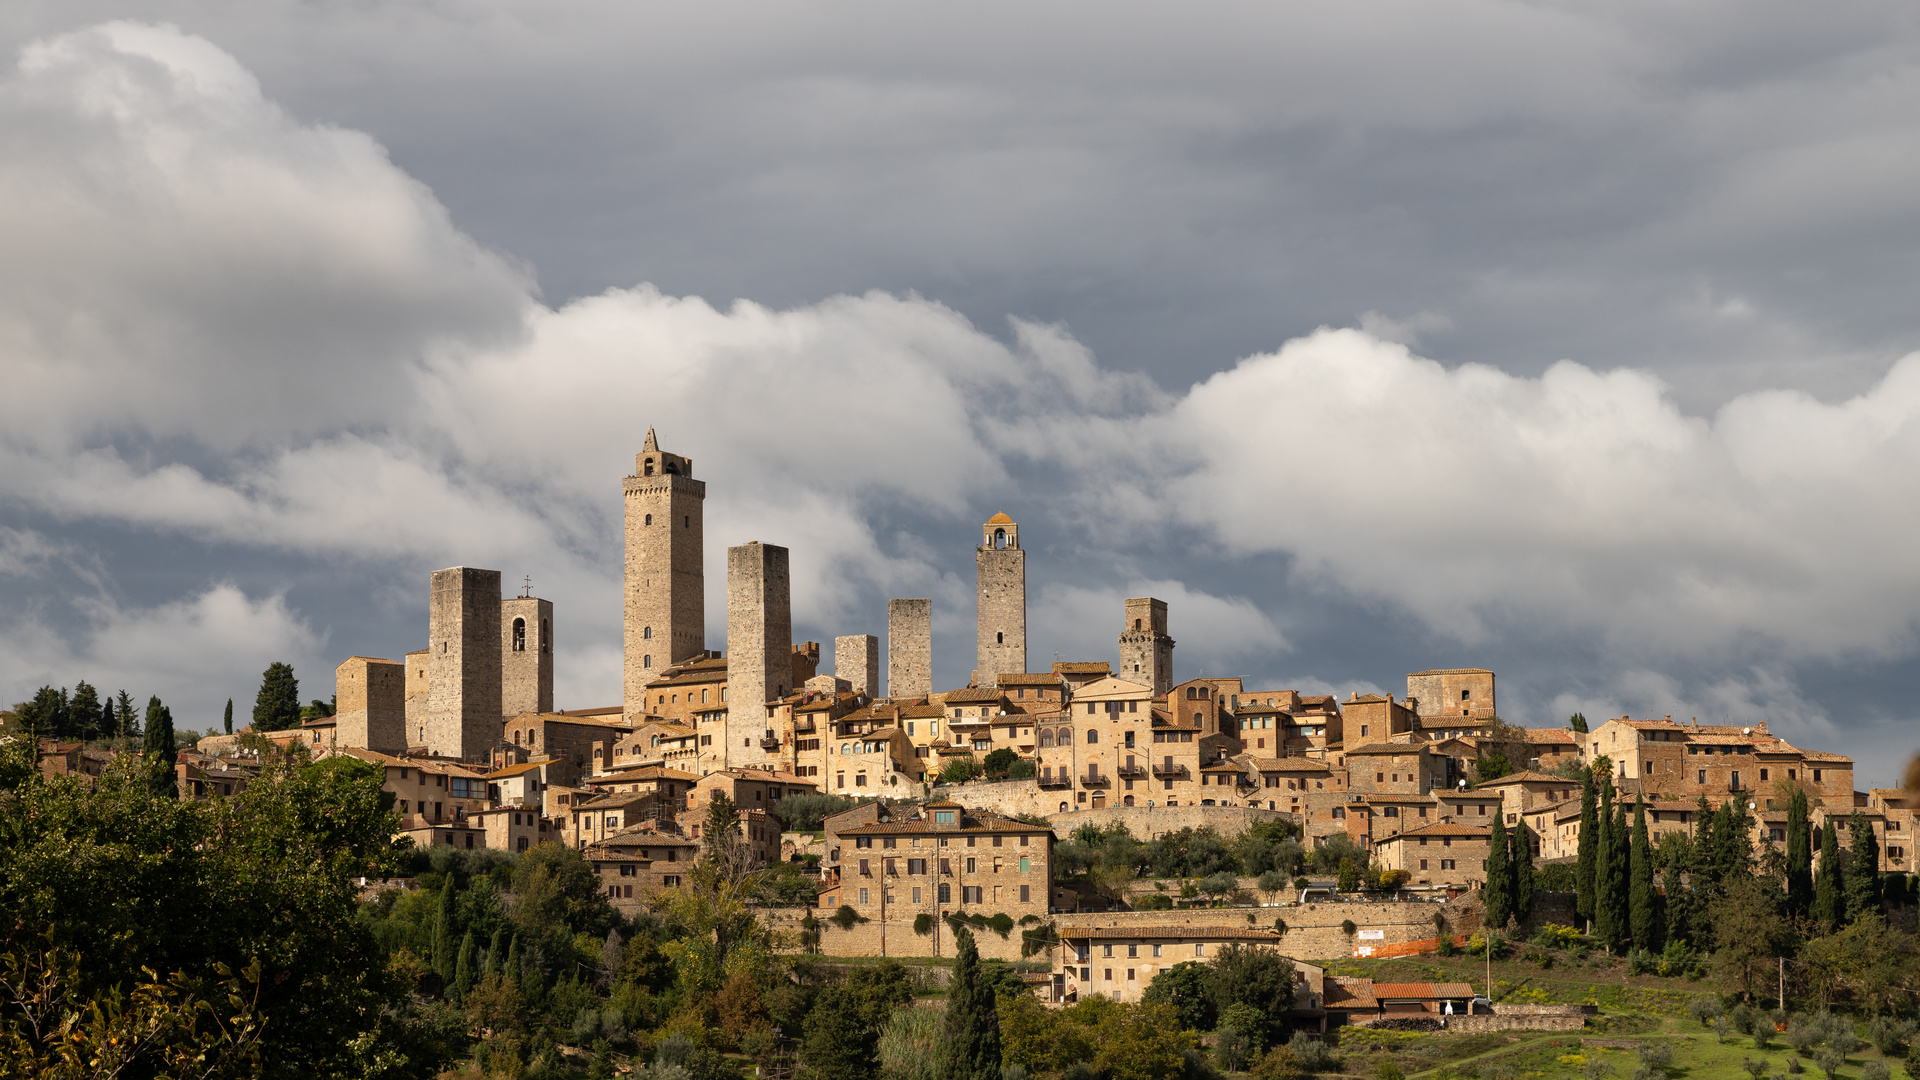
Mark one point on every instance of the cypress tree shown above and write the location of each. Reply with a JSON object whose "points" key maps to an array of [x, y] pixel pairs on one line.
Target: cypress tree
{"points": [[463, 969], [83, 712], [1578, 722], [1646, 928], [445, 955], [493, 954], [1799, 855], [1827, 905], [1583, 870], [228, 719], [839, 1042], [1679, 897], [512, 970], [1604, 883], [161, 755], [1704, 845], [277, 707], [1497, 895], [973, 1019], [1733, 842], [1520, 858], [109, 720], [1620, 847], [1860, 884], [123, 713]]}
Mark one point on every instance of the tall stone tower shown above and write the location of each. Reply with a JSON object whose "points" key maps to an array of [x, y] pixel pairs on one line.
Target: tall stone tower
{"points": [[372, 704], [1146, 652], [666, 582], [909, 648], [759, 646], [856, 658], [526, 655], [463, 664], [1002, 620]]}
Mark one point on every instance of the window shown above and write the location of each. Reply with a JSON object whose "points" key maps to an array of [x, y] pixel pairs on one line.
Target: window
{"points": [[1093, 737], [1199, 948], [863, 896], [943, 817], [946, 893], [1702, 776], [1025, 899], [519, 635]]}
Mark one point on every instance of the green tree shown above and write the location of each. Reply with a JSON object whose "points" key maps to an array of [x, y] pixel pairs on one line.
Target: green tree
{"points": [[837, 1040], [160, 752], [999, 762], [1520, 864], [83, 712], [1259, 979], [1679, 899], [1860, 884], [123, 715], [1749, 937], [1641, 913], [722, 848], [1142, 1042], [1187, 989], [1497, 895], [1585, 865], [973, 1023], [1799, 855], [277, 707], [227, 720], [45, 717], [1605, 885], [1828, 906], [960, 770], [446, 956], [463, 974], [1578, 722]]}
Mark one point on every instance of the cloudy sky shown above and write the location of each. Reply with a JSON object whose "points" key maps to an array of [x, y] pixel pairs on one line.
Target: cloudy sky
{"points": [[1579, 345]]}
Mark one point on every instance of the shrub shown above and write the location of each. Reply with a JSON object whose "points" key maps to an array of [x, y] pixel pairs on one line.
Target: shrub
{"points": [[1388, 1071], [1755, 1069], [1830, 1062], [923, 924], [1597, 1070], [1741, 1016], [1153, 902], [1722, 1029], [1890, 1036], [1313, 1055], [1703, 1010], [1875, 1070], [1802, 1033], [1658, 1055], [1913, 1062], [1447, 947], [806, 813], [1277, 1064], [1762, 1034]]}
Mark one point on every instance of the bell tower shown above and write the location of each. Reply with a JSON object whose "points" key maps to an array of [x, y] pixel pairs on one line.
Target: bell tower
{"points": [[666, 606], [1002, 620]]}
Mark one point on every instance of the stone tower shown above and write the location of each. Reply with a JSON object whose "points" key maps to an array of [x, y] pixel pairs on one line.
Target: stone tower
{"points": [[1146, 652], [463, 664], [909, 648], [1003, 601], [665, 580], [759, 646], [526, 655], [371, 695], [857, 660]]}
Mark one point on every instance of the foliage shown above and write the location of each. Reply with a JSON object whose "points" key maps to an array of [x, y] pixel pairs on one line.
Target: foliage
{"points": [[1642, 910], [961, 769], [1828, 907], [910, 1044], [1313, 1055], [1749, 936], [807, 813], [1142, 1042], [1799, 855], [973, 1021], [998, 762], [1589, 844], [1860, 884], [1497, 896], [838, 1040], [277, 706], [1186, 989]]}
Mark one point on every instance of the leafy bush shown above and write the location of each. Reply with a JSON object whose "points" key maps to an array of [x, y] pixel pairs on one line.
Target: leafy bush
{"points": [[960, 770], [1597, 1069], [1875, 1070], [1657, 1055], [1313, 1055], [1830, 1062], [1388, 1071], [1703, 1010], [1891, 1036], [1755, 1069], [1555, 936], [1153, 902], [1803, 1033], [806, 813]]}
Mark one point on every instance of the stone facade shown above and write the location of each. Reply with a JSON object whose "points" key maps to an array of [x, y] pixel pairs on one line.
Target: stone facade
{"points": [[856, 659], [1146, 652], [526, 655], [1464, 692], [371, 703], [463, 664], [760, 665], [666, 604], [909, 648], [1002, 598], [416, 694]]}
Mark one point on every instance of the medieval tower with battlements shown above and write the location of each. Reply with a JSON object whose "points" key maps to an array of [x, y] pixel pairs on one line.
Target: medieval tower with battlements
{"points": [[1146, 652], [1002, 621], [666, 607]]}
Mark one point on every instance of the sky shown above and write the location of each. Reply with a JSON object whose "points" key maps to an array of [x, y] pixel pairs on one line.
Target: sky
{"points": [[1575, 342]]}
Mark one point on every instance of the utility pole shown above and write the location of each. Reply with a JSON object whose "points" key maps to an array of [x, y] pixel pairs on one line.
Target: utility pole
{"points": [[1783, 984]]}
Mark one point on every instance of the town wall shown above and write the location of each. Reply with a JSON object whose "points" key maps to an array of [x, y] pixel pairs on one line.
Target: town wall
{"points": [[463, 657], [371, 702], [526, 655], [759, 647], [856, 658], [909, 648]]}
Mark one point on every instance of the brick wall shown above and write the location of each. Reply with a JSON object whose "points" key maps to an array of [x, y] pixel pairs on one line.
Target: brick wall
{"points": [[890, 938]]}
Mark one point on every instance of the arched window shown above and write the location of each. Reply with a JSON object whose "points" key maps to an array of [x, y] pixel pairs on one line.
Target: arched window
{"points": [[533, 737], [649, 472], [1093, 736], [1136, 624], [1063, 808], [516, 737], [519, 635], [646, 633], [649, 519], [1196, 718], [999, 538], [1046, 737], [843, 747], [646, 661], [1128, 801]]}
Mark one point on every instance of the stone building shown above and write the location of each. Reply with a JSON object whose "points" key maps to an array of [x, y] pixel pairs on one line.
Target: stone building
{"points": [[1452, 692], [370, 700], [856, 658], [909, 648], [1378, 718], [463, 664], [526, 655], [1146, 652], [759, 648], [1688, 760], [1098, 749], [1440, 853], [1120, 962], [1002, 597], [665, 579]]}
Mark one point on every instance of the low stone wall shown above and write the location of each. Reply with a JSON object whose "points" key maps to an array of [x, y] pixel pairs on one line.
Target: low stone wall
{"points": [[1314, 931], [890, 938], [1016, 797], [1496, 1022]]}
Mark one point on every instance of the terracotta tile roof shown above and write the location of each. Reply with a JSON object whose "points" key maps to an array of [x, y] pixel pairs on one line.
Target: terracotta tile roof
{"points": [[974, 821], [603, 710], [1424, 991], [1442, 828], [515, 770], [1078, 668], [1453, 671], [1292, 764], [1350, 993], [1527, 776], [1827, 755], [1551, 735], [1184, 933], [1028, 678], [1387, 748]]}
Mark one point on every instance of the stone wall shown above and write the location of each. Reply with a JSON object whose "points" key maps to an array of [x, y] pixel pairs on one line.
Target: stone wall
{"points": [[1002, 596], [372, 703], [526, 655], [1146, 652], [759, 647], [463, 662], [856, 659], [1314, 931], [1016, 797], [889, 937], [909, 648]]}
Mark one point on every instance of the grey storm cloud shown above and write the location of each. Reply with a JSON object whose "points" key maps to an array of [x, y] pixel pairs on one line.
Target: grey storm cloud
{"points": [[1575, 345]]}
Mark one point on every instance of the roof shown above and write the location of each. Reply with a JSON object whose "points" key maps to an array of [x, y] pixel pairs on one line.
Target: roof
{"points": [[1209, 933], [1028, 678], [1000, 519], [1367, 699], [1081, 668], [640, 834], [762, 775], [1350, 993], [1112, 687], [516, 770], [1383, 991], [597, 719], [641, 772], [1527, 776], [1827, 755], [1292, 764], [320, 721], [1388, 748], [1452, 671], [598, 710], [981, 694], [1550, 735]]}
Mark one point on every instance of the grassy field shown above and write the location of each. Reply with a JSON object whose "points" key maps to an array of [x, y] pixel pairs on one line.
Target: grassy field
{"points": [[1597, 980]]}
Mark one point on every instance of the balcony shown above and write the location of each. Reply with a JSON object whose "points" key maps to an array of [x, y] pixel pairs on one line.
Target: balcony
{"points": [[769, 744], [1168, 770], [1052, 780], [1095, 780], [1132, 772]]}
